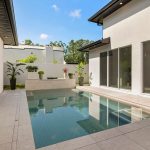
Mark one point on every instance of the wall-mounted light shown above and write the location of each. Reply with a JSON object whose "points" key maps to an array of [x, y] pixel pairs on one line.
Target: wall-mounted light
{"points": [[121, 2]]}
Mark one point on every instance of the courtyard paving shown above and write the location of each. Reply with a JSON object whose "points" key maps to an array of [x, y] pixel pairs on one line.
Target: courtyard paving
{"points": [[16, 131]]}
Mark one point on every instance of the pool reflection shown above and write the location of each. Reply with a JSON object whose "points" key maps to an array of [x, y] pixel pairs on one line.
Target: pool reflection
{"points": [[58, 116]]}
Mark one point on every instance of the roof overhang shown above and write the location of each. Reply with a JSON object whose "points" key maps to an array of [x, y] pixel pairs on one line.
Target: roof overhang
{"points": [[95, 44], [8, 31], [107, 10]]}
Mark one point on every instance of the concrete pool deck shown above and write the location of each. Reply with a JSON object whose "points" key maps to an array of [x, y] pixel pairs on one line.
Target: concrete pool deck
{"points": [[16, 131]]}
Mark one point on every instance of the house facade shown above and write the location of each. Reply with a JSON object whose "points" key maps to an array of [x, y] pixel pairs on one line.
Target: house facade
{"points": [[8, 34], [121, 60]]}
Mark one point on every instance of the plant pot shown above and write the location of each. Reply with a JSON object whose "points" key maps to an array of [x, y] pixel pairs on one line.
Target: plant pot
{"points": [[13, 84], [70, 76], [65, 75], [40, 76], [81, 81], [33, 75]]}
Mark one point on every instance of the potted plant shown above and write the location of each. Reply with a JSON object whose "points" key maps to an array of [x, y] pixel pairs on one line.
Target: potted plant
{"points": [[65, 70], [32, 68], [32, 72], [12, 71], [29, 68], [80, 72], [70, 75], [35, 68], [41, 73]]}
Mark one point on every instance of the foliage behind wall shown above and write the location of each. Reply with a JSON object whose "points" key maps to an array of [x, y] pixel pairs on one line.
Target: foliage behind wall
{"points": [[30, 59], [73, 55]]}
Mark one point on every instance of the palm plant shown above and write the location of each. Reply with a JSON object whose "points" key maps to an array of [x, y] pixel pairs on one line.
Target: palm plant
{"points": [[12, 71]]}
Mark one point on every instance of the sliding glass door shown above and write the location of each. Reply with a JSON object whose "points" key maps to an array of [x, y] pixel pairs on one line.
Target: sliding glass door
{"points": [[116, 70], [125, 67], [146, 67], [113, 68], [103, 68]]}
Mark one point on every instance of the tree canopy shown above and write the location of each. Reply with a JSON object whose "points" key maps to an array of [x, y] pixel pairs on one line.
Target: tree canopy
{"points": [[57, 43], [28, 42], [73, 55]]}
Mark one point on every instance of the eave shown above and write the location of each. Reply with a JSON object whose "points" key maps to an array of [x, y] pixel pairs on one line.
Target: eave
{"points": [[107, 10], [8, 31], [95, 44]]}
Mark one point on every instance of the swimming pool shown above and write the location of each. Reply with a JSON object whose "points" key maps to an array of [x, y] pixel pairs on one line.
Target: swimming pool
{"points": [[60, 115]]}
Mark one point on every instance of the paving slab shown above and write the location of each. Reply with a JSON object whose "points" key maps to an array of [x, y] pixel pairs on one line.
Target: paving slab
{"points": [[119, 143], [16, 131]]}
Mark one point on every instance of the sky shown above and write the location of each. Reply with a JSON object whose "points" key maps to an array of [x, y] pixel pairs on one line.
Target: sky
{"points": [[43, 21]]}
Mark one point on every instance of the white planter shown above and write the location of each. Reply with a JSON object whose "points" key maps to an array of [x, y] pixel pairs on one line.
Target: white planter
{"points": [[33, 75]]}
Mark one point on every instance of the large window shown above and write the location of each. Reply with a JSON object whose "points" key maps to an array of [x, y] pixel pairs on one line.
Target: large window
{"points": [[125, 67], [146, 66], [113, 68], [103, 68]]}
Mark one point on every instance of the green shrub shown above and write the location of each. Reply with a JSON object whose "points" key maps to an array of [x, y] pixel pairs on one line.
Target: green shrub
{"points": [[32, 68], [30, 59]]}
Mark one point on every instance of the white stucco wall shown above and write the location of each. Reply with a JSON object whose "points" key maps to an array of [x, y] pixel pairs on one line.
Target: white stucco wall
{"points": [[51, 70], [130, 25], [13, 54], [55, 54], [94, 65], [1, 65], [44, 54]]}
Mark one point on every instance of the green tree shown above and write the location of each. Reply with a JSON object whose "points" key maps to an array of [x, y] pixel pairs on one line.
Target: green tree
{"points": [[28, 42], [73, 55], [57, 43]]}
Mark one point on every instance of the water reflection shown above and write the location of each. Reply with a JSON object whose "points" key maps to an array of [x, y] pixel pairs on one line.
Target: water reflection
{"points": [[58, 116]]}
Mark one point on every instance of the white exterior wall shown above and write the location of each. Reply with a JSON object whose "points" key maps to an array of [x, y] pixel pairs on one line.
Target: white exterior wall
{"points": [[12, 55], [58, 56], [44, 54], [49, 54], [1, 65], [55, 54], [51, 70], [130, 25], [94, 65]]}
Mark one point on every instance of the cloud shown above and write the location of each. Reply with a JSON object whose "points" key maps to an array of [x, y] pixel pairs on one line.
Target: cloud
{"points": [[55, 7], [43, 36], [75, 13]]}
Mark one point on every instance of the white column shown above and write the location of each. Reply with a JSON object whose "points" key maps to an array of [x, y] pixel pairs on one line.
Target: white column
{"points": [[49, 55], [137, 68], [1, 65]]}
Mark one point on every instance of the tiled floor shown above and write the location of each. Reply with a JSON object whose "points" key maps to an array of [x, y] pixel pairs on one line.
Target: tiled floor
{"points": [[16, 131], [15, 126], [127, 97]]}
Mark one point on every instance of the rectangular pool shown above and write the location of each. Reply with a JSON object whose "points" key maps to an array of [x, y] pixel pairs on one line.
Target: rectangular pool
{"points": [[60, 115]]}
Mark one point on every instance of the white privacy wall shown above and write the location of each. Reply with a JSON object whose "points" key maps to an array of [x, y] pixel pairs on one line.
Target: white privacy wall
{"points": [[1, 65], [12, 55], [51, 70], [44, 54]]}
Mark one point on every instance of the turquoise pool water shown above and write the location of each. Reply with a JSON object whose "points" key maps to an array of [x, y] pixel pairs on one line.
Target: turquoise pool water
{"points": [[60, 115]]}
